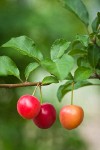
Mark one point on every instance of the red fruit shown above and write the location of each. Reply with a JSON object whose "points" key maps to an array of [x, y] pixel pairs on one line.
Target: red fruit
{"points": [[71, 116], [46, 116], [28, 106]]}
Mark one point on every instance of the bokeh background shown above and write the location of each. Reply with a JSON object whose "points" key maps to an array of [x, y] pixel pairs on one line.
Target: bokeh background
{"points": [[44, 21]]}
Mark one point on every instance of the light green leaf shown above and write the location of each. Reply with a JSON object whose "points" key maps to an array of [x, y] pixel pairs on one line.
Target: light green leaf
{"points": [[8, 67], [84, 39], [67, 87], [60, 68], [49, 80], [58, 48], [79, 9], [31, 67], [82, 73], [25, 46], [93, 55]]}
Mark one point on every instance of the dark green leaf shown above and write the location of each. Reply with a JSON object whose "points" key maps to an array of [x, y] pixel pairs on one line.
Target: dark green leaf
{"points": [[83, 61], [79, 9], [49, 80], [8, 67], [69, 77], [93, 55], [98, 40], [96, 22], [25, 46], [82, 73], [31, 67], [98, 35], [98, 65], [60, 68], [64, 89], [77, 52], [58, 48], [67, 87]]}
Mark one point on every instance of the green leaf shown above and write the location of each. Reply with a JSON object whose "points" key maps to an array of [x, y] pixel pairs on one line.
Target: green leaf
{"points": [[63, 89], [93, 55], [84, 39], [96, 22], [8, 67], [58, 48], [98, 65], [49, 80], [83, 61], [82, 73], [79, 52], [69, 76], [60, 68], [67, 87], [25, 46], [31, 67], [79, 9]]}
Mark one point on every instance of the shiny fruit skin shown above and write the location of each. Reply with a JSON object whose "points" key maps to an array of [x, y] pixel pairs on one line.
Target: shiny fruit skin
{"points": [[28, 106], [46, 117], [71, 116]]}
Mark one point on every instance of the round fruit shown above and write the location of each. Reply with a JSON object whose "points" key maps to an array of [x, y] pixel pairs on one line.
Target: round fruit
{"points": [[71, 116], [28, 106], [46, 116]]}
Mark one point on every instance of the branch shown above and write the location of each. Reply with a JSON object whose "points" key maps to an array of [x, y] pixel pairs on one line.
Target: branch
{"points": [[95, 76], [24, 84]]}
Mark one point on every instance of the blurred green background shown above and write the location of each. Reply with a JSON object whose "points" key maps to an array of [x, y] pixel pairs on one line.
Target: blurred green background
{"points": [[44, 21]]}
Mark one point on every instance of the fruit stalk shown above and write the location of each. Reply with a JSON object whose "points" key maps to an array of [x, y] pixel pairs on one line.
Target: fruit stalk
{"points": [[35, 89], [72, 93], [41, 100]]}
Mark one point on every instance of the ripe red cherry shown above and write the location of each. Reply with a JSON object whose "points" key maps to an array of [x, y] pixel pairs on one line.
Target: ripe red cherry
{"points": [[71, 116], [28, 106], [46, 116]]}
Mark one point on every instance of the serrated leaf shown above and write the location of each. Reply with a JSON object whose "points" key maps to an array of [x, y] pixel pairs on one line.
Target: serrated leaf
{"points": [[79, 52], [25, 46], [49, 80], [8, 67], [93, 55], [67, 87], [58, 48], [79, 9], [96, 22], [60, 68], [82, 73], [31, 67]]}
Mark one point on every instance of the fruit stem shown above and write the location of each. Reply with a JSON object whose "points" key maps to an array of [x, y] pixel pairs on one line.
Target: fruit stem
{"points": [[35, 89], [41, 100], [72, 93]]}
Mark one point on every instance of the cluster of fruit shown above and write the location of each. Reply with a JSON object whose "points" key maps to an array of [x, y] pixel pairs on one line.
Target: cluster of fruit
{"points": [[44, 115]]}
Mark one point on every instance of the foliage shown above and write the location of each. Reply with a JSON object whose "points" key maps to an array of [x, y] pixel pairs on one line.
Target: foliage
{"points": [[84, 49], [73, 60]]}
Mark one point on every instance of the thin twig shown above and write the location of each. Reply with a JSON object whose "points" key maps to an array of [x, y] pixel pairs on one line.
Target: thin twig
{"points": [[24, 84]]}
